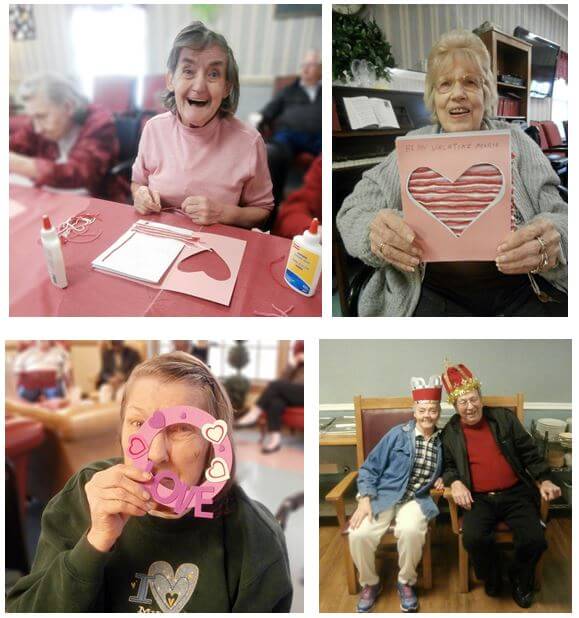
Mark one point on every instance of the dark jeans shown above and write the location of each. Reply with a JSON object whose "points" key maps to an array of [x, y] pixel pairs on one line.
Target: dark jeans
{"points": [[34, 394], [281, 150], [519, 301], [277, 396], [518, 508]]}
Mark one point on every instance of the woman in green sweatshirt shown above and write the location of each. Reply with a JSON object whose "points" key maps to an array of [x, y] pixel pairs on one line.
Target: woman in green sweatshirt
{"points": [[105, 545]]}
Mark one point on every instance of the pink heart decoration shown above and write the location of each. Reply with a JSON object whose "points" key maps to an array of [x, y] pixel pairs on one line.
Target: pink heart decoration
{"points": [[214, 432], [209, 262], [157, 421], [217, 471], [457, 204], [137, 446]]}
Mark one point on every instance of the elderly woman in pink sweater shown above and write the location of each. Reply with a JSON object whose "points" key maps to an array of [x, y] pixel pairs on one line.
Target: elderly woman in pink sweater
{"points": [[197, 156]]}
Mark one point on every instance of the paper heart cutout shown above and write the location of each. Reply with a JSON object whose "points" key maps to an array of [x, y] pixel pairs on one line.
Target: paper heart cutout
{"points": [[157, 421], [209, 262], [456, 204], [171, 590], [137, 446], [217, 471], [214, 432]]}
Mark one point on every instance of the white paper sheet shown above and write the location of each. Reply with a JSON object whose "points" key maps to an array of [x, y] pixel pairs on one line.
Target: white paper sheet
{"points": [[139, 256]]}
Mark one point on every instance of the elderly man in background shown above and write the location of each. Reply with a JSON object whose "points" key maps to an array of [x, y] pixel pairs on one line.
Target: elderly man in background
{"points": [[496, 474], [295, 116], [395, 482], [63, 142]]}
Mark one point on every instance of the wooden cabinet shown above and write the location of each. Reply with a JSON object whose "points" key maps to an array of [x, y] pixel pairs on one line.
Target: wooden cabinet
{"points": [[510, 56]]}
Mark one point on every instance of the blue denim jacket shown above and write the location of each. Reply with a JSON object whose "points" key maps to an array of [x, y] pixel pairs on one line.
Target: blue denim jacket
{"points": [[385, 474]]}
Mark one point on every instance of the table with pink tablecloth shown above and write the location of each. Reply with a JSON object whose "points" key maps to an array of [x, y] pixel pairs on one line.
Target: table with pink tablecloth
{"points": [[260, 288]]}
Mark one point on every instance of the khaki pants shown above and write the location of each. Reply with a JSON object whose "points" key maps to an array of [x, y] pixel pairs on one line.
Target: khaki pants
{"points": [[410, 529]]}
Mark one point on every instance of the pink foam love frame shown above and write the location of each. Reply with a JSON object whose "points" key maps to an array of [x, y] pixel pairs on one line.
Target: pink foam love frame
{"points": [[180, 496], [456, 193]]}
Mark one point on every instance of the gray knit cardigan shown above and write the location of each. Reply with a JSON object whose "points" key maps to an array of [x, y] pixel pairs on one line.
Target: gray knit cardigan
{"points": [[391, 292]]}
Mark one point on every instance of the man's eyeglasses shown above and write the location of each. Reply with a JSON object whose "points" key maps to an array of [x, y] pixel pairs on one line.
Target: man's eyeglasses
{"points": [[463, 403], [470, 83]]}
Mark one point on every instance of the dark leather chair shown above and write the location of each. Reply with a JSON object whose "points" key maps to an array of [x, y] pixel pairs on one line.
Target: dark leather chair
{"points": [[374, 418], [16, 553], [557, 155]]}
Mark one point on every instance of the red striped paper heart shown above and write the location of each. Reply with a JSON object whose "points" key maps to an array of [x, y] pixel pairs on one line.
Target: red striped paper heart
{"points": [[457, 204]]}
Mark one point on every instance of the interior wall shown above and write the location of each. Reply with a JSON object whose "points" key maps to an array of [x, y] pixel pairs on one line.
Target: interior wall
{"points": [[264, 46], [541, 369], [412, 29]]}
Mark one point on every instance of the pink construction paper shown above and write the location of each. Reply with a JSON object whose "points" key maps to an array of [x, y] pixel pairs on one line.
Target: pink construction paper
{"points": [[456, 193], [180, 496], [218, 283], [201, 284]]}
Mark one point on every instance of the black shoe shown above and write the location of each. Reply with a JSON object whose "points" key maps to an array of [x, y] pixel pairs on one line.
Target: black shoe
{"points": [[523, 597], [494, 583]]}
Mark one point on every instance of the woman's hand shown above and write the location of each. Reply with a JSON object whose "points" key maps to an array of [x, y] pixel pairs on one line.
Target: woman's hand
{"points": [[146, 200], [203, 210], [392, 240], [113, 495], [439, 483], [461, 495], [364, 510], [521, 252]]}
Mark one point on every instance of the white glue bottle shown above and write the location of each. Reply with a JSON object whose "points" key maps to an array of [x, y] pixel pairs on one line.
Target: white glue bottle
{"points": [[53, 253], [304, 263]]}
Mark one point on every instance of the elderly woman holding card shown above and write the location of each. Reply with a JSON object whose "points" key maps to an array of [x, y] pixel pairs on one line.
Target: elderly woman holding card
{"points": [[198, 157], [529, 274], [165, 528]]}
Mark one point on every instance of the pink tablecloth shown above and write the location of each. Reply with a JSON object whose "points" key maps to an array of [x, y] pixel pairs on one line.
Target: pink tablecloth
{"points": [[259, 284]]}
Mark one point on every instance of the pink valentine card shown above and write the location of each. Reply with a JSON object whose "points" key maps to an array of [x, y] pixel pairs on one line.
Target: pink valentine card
{"points": [[456, 193]]}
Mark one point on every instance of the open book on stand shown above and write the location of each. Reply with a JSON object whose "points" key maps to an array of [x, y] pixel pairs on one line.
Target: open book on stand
{"points": [[370, 113]]}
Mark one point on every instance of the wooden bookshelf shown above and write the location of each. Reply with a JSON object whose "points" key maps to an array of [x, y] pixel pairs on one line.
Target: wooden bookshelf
{"points": [[512, 56]]}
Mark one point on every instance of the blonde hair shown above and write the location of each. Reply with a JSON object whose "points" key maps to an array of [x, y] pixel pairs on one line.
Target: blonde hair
{"points": [[186, 369], [464, 45]]}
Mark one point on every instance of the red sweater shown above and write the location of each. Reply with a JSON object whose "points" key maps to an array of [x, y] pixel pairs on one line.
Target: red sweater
{"points": [[298, 210], [489, 470], [96, 150]]}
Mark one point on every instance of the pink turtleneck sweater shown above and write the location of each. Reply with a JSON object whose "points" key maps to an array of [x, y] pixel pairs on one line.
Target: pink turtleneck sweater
{"points": [[225, 160]]}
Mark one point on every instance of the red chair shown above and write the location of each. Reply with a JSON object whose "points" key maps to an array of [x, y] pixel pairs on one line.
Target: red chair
{"points": [[153, 88], [554, 139], [22, 436], [117, 94], [292, 418]]}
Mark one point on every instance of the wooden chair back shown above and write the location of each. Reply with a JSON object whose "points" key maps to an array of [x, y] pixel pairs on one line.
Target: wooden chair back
{"points": [[514, 403]]}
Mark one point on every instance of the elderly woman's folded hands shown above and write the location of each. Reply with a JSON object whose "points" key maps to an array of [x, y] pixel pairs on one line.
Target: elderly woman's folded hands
{"points": [[534, 247], [392, 240]]}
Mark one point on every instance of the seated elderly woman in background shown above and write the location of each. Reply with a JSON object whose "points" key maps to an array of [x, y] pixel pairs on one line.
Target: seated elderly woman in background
{"points": [[460, 91], [63, 142], [198, 157]]}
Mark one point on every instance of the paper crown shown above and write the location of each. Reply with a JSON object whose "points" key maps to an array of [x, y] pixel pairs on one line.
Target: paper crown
{"points": [[423, 391], [458, 380]]}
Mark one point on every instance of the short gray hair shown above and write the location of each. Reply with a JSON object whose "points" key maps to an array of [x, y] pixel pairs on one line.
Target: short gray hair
{"points": [[469, 46], [197, 36], [57, 89]]}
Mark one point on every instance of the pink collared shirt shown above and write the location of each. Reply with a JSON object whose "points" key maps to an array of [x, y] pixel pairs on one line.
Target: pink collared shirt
{"points": [[225, 160]]}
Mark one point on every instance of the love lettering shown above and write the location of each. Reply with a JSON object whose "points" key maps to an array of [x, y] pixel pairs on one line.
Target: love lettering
{"points": [[181, 494]]}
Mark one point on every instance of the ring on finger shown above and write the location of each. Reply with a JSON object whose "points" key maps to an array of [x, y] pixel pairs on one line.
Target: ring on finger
{"points": [[542, 245], [542, 265], [380, 247]]}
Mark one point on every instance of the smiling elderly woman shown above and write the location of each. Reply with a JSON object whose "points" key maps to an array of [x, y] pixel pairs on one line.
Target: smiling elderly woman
{"points": [[198, 157], [460, 92]]}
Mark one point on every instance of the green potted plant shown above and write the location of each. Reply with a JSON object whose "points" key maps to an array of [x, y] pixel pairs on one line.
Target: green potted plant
{"points": [[237, 386], [354, 38]]}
